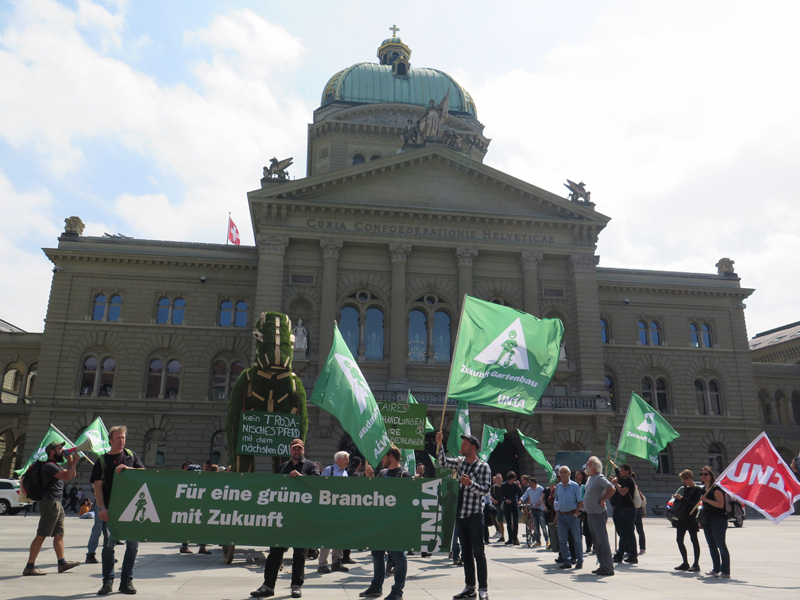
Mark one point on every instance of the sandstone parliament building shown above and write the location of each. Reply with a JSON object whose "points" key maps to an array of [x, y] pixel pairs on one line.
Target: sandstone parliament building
{"points": [[396, 219]]}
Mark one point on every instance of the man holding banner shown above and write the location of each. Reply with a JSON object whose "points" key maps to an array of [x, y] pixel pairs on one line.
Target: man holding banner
{"points": [[475, 479]]}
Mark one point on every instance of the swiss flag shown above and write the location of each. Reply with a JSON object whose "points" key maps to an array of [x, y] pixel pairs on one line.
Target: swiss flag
{"points": [[760, 478], [233, 233]]}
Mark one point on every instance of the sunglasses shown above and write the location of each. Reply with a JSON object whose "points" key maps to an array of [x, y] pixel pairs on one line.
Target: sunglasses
{"points": [[705, 474]]}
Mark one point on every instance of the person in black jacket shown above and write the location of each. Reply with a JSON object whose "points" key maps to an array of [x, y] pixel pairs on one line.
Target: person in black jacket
{"points": [[686, 499], [297, 466], [511, 492]]}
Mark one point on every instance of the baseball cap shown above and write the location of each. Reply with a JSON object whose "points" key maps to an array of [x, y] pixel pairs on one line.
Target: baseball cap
{"points": [[52, 446], [297, 442], [472, 440]]}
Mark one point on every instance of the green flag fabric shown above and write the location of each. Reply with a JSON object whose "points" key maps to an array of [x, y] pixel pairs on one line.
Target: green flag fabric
{"points": [[52, 435], [460, 427], [491, 437], [428, 426], [613, 453], [342, 391], [645, 432], [97, 434], [532, 446], [409, 460], [503, 357]]}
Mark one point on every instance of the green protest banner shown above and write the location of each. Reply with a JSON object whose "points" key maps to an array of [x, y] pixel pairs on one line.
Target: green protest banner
{"points": [[267, 434], [503, 357], [405, 423], [492, 436], [277, 510], [52, 435], [459, 427], [645, 433], [97, 434]]}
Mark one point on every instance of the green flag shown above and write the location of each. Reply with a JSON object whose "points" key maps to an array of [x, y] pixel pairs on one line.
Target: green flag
{"points": [[97, 434], [503, 357], [409, 460], [491, 437], [428, 426], [52, 435], [645, 432], [532, 446], [459, 427], [342, 391], [613, 453]]}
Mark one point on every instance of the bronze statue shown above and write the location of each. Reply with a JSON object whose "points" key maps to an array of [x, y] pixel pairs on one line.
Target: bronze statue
{"points": [[577, 191], [277, 168]]}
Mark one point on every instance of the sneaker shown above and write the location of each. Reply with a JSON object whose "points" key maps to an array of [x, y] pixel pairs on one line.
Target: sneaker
{"points": [[126, 586], [70, 564], [263, 592], [337, 566], [324, 569], [632, 561], [394, 596], [466, 593], [91, 559], [106, 589], [297, 591], [695, 568], [682, 567], [712, 573], [32, 571], [642, 551], [483, 595], [370, 592]]}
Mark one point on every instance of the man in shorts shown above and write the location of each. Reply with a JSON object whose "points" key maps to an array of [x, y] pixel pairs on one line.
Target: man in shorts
{"points": [[51, 511]]}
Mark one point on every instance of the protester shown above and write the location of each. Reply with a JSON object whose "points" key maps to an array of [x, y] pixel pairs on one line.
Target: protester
{"points": [[497, 500], [534, 498], [716, 525], [188, 465], [685, 502], [598, 490], [625, 514], [297, 466], [85, 511], [568, 505], [475, 479], [511, 492], [580, 479], [51, 509], [338, 469], [392, 468], [107, 466]]}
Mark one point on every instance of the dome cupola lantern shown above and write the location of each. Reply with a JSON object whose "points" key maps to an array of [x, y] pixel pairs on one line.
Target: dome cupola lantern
{"points": [[395, 53]]}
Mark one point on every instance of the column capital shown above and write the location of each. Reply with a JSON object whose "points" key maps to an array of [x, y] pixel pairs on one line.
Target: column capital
{"points": [[271, 244], [583, 263], [331, 248], [466, 256], [530, 259], [399, 252]]}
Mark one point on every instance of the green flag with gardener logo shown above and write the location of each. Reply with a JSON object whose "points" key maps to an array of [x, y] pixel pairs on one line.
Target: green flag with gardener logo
{"points": [[52, 435], [459, 427], [503, 357], [491, 437], [97, 434], [532, 446], [645, 432], [342, 391]]}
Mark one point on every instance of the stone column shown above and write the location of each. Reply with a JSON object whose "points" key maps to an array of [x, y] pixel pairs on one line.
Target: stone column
{"points": [[530, 281], [327, 311], [465, 258], [269, 285], [584, 346], [398, 330]]}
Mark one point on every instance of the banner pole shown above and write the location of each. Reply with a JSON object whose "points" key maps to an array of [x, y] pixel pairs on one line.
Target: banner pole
{"points": [[447, 393]]}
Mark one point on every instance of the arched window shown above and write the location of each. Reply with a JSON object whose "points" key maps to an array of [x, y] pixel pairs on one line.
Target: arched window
{"points": [[170, 312], [611, 386], [605, 333], [218, 455], [765, 404], [163, 378], [224, 374], [706, 332], [97, 375], [700, 335], [12, 383], [115, 308], [655, 393], [99, 310], [106, 308], [649, 333], [233, 314], [429, 330], [162, 310], [780, 401], [361, 323], [358, 159], [30, 384], [155, 448], [707, 397], [664, 463], [715, 458], [178, 310]]}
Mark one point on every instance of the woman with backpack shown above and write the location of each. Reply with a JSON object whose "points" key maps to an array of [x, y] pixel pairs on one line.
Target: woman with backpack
{"points": [[715, 525], [685, 519]]}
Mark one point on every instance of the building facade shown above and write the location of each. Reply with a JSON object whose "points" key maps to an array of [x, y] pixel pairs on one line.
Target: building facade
{"points": [[396, 220]]}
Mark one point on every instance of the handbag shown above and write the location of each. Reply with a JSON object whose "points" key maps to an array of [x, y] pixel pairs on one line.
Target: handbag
{"points": [[637, 497], [677, 510]]}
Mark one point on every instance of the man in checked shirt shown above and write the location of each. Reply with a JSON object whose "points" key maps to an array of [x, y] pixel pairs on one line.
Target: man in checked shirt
{"points": [[476, 479]]}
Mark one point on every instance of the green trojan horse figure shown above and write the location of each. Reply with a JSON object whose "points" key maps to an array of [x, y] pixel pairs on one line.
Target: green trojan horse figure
{"points": [[268, 386]]}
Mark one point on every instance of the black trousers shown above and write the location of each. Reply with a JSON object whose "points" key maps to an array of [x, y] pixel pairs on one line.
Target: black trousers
{"points": [[273, 563]]}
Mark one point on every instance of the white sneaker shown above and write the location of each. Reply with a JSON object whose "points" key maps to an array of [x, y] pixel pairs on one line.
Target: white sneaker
{"points": [[483, 594], [297, 591]]}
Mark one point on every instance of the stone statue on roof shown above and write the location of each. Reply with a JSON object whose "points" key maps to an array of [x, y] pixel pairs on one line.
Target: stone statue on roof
{"points": [[430, 122], [725, 267], [577, 191]]}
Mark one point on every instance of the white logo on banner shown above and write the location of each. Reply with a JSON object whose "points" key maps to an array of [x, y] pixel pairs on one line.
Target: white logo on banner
{"points": [[649, 424], [507, 349], [356, 380], [141, 508]]}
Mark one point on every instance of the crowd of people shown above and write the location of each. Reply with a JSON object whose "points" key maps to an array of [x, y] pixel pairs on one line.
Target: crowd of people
{"points": [[563, 516]]}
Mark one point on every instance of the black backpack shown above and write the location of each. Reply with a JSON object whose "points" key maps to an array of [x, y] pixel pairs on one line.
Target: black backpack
{"points": [[32, 482]]}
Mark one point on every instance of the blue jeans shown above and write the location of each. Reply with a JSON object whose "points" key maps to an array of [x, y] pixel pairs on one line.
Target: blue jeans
{"points": [[539, 522], [570, 525], [379, 567], [94, 536], [715, 531], [131, 549], [470, 534]]}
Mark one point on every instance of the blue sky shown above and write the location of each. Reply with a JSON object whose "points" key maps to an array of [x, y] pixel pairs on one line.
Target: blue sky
{"points": [[154, 119]]}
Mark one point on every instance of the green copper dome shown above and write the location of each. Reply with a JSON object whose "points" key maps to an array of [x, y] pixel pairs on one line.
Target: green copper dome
{"points": [[397, 81]]}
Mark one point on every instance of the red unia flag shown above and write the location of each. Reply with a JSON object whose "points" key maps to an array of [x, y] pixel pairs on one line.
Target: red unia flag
{"points": [[233, 233], [760, 478]]}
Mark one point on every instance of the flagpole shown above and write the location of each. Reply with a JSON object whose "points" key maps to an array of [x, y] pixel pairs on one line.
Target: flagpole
{"points": [[228, 232], [447, 393], [61, 433]]}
